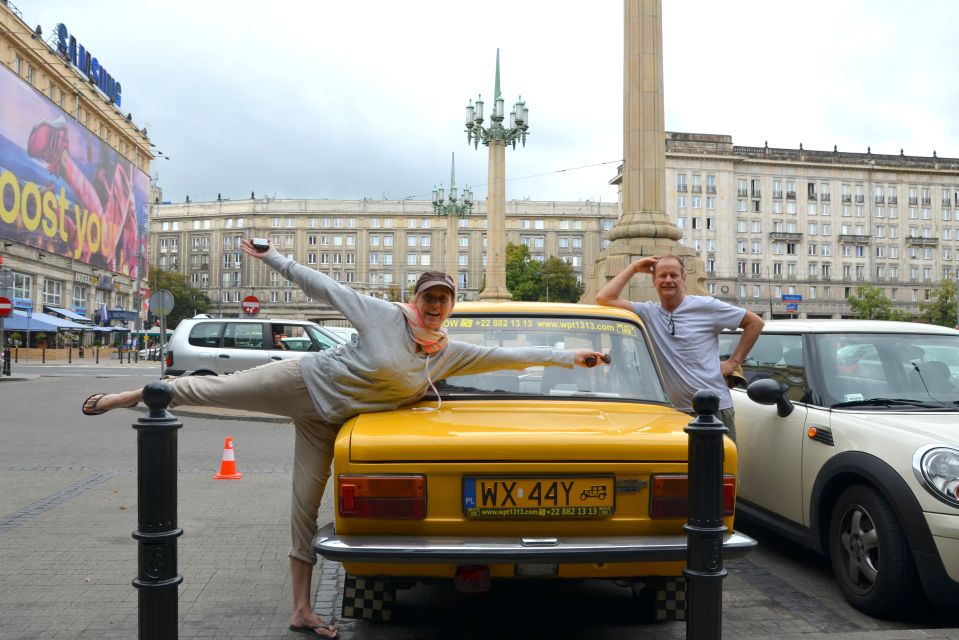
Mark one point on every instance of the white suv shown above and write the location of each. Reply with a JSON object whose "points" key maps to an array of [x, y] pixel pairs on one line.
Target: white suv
{"points": [[211, 346], [848, 443]]}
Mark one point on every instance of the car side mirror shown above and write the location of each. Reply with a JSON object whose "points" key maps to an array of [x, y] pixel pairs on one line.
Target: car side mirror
{"points": [[769, 391]]}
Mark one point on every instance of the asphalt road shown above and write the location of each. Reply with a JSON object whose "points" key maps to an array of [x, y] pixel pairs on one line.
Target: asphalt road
{"points": [[68, 506]]}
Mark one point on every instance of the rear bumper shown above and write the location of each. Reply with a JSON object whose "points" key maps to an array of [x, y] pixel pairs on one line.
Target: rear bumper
{"points": [[509, 550]]}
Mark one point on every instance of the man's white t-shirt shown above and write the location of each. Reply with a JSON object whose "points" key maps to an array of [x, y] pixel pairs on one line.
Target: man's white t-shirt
{"points": [[689, 355]]}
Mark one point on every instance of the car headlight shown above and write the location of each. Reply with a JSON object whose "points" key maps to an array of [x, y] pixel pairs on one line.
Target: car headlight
{"points": [[937, 469]]}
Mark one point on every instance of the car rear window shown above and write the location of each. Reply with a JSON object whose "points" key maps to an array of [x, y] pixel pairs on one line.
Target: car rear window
{"points": [[206, 334], [632, 374]]}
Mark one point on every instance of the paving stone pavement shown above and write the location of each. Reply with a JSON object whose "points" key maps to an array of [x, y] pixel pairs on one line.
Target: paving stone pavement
{"points": [[68, 505]]}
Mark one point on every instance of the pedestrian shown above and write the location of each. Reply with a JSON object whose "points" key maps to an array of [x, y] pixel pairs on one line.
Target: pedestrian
{"points": [[684, 330], [401, 350]]}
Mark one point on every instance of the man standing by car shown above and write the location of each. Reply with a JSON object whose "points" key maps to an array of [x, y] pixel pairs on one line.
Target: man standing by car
{"points": [[684, 329]]}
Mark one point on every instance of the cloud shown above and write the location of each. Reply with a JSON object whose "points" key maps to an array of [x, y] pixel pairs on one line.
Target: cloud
{"points": [[366, 99]]}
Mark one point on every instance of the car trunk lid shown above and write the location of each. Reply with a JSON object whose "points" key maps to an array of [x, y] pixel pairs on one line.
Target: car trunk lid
{"points": [[521, 431]]}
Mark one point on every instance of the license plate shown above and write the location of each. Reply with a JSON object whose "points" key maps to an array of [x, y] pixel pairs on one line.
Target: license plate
{"points": [[518, 498]]}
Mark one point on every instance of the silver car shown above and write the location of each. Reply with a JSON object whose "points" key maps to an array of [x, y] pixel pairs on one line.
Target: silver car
{"points": [[213, 346]]}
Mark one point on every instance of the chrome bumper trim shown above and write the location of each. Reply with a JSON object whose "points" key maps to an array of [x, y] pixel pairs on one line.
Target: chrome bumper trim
{"points": [[507, 549]]}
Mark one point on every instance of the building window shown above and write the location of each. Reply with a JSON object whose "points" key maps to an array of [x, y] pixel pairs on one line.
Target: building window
{"points": [[52, 292]]}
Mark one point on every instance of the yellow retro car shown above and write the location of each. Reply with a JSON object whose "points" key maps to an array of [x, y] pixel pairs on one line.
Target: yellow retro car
{"points": [[542, 473]]}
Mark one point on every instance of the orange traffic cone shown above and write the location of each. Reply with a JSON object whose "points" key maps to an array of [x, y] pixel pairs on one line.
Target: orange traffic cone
{"points": [[228, 464]]}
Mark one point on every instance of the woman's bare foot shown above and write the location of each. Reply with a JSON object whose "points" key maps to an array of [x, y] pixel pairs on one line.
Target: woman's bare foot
{"points": [[310, 623], [100, 403]]}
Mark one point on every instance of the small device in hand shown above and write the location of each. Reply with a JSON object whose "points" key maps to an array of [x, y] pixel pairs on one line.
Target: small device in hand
{"points": [[591, 361], [260, 244]]}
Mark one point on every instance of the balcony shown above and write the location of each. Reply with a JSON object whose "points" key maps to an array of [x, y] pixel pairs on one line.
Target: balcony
{"points": [[811, 196], [790, 195], [741, 193], [893, 200], [711, 188], [853, 238], [946, 202], [880, 200], [913, 202], [697, 188], [681, 188], [824, 197], [757, 193], [860, 199], [927, 202], [918, 241], [787, 236], [846, 199], [777, 195]]}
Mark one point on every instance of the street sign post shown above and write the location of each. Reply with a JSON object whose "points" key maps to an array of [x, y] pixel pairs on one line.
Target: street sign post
{"points": [[251, 305], [161, 304], [6, 309]]}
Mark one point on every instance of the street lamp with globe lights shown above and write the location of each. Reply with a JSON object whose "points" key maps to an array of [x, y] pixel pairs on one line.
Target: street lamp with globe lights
{"points": [[496, 137], [453, 209]]}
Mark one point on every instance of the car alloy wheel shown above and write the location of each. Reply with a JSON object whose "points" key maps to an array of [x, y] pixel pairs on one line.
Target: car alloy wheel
{"points": [[870, 554]]}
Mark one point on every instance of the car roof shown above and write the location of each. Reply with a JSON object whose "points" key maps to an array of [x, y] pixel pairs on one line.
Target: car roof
{"points": [[257, 319], [856, 326], [540, 308]]}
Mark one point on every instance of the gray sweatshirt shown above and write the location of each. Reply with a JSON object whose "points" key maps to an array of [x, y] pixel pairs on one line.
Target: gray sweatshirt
{"points": [[384, 370]]}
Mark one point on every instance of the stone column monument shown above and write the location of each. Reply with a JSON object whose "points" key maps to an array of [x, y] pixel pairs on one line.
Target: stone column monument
{"points": [[643, 228]]}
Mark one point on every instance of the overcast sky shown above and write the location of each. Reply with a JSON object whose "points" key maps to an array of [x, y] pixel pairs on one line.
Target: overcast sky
{"points": [[321, 99]]}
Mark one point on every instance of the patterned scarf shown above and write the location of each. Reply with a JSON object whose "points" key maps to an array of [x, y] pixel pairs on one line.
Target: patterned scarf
{"points": [[430, 341]]}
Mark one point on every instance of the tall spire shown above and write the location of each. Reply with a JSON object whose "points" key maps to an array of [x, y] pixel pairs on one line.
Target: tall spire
{"points": [[497, 96], [453, 170]]}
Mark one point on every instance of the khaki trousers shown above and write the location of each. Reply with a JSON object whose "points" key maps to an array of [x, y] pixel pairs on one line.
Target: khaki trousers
{"points": [[276, 388]]}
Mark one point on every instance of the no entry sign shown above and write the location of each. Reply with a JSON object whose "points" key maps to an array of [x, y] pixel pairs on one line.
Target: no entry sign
{"points": [[251, 305], [6, 307]]}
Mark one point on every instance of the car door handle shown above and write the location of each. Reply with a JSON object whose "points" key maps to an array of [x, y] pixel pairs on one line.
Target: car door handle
{"points": [[275, 358], [223, 355]]}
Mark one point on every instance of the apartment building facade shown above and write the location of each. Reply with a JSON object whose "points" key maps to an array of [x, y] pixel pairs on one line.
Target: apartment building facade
{"points": [[813, 225], [74, 178], [378, 247]]}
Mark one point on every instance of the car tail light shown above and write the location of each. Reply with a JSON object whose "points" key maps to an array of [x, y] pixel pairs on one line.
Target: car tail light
{"points": [[399, 497], [669, 497], [169, 359]]}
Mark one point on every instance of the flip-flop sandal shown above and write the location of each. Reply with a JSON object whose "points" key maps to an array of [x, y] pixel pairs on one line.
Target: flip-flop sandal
{"points": [[311, 629], [93, 411]]}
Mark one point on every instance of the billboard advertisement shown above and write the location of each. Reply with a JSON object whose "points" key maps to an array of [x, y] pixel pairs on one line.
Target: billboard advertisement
{"points": [[62, 189]]}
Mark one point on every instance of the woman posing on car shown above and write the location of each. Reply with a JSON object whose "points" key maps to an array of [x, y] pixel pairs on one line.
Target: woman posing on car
{"points": [[401, 349]]}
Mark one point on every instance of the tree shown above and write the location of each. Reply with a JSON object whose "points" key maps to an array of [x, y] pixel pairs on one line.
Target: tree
{"points": [[871, 303], [522, 273], [535, 280], [559, 283], [187, 300], [941, 307]]}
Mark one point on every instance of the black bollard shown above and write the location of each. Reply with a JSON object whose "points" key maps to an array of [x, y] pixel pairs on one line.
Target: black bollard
{"points": [[16, 357], [704, 528], [69, 355], [97, 351], [81, 352], [6, 362], [43, 355], [157, 579]]}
